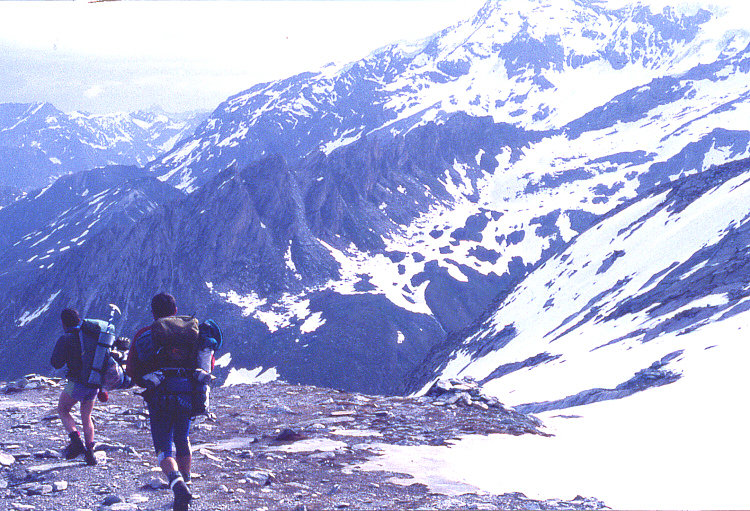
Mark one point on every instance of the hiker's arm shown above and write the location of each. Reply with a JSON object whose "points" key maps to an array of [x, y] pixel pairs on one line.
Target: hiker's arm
{"points": [[134, 367], [130, 365], [59, 354]]}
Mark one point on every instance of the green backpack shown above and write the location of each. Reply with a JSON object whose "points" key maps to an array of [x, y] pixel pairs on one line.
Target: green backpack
{"points": [[175, 341], [97, 338]]}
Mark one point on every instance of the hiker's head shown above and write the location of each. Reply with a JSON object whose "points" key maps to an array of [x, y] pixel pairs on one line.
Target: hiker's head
{"points": [[163, 305], [70, 318]]}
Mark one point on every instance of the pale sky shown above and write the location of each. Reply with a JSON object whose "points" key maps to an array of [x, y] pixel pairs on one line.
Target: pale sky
{"points": [[123, 56]]}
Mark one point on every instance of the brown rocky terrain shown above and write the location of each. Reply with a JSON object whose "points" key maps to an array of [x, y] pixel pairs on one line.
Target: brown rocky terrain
{"points": [[269, 446]]}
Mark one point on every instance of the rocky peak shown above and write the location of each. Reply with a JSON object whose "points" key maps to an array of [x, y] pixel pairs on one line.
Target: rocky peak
{"points": [[519, 65]]}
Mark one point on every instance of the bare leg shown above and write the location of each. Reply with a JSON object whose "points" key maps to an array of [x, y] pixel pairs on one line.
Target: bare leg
{"points": [[184, 463], [182, 495], [88, 425], [64, 406], [168, 465]]}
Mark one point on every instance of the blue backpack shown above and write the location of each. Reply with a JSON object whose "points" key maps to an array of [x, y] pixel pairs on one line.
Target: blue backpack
{"points": [[210, 335]]}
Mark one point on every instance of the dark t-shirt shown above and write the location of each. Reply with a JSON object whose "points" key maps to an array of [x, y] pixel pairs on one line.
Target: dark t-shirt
{"points": [[67, 352]]}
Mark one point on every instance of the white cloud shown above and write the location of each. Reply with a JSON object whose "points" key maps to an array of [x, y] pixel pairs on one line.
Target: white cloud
{"points": [[93, 92]]}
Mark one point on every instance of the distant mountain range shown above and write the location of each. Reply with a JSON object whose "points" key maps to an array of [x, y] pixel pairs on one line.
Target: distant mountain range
{"points": [[350, 227], [39, 143]]}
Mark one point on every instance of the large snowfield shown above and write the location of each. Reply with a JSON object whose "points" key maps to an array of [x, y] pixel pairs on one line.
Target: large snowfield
{"points": [[679, 446]]}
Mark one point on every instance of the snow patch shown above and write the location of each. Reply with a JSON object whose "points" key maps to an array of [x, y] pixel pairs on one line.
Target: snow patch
{"points": [[224, 360], [250, 377], [29, 316], [312, 323], [311, 445], [357, 432]]}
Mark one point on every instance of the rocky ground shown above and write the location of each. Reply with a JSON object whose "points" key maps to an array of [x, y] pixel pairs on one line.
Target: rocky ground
{"points": [[270, 446]]}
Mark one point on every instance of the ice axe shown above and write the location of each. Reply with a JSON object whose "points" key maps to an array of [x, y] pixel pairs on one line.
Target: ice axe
{"points": [[114, 310]]}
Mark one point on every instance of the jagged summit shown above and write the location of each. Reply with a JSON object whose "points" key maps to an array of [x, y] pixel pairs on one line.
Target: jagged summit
{"points": [[538, 65]]}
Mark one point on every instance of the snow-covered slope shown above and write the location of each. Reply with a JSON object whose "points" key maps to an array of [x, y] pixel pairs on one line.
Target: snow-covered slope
{"points": [[672, 447], [631, 346], [39, 143], [623, 307], [538, 64]]}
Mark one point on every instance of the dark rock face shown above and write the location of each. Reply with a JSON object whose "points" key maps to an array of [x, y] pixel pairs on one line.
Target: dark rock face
{"points": [[580, 220], [362, 345], [504, 369], [692, 157], [652, 376], [553, 181], [252, 239], [630, 106], [39, 142], [455, 304], [609, 261]]}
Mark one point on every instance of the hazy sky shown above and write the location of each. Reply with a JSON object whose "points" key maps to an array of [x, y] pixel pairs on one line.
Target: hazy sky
{"points": [[122, 56]]}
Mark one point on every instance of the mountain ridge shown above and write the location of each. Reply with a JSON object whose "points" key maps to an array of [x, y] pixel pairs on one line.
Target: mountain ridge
{"points": [[51, 143], [402, 85]]}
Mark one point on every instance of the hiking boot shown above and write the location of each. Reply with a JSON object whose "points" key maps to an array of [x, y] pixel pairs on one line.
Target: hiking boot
{"points": [[182, 496], [88, 455], [75, 448], [72, 451]]}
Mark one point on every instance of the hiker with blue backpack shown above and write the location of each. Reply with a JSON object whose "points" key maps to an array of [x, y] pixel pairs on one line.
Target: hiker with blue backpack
{"points": [[68, 351], [172, 360]]}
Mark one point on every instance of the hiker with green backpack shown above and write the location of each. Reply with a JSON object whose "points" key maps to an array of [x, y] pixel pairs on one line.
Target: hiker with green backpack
{"points": [[93, 357], [172, 360], [68, 352]]}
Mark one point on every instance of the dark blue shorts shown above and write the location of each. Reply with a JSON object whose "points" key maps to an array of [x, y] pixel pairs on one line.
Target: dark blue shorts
{"points": [[169, 432]]}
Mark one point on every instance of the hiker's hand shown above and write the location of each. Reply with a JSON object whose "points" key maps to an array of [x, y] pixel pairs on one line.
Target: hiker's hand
{"points": [[153, 380], [202, 376]]}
